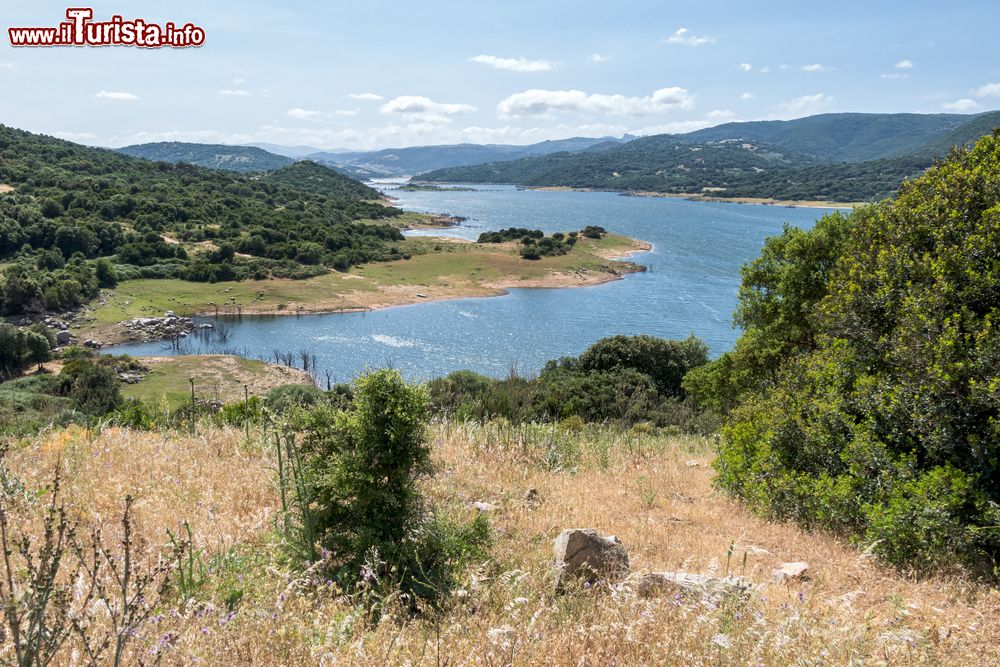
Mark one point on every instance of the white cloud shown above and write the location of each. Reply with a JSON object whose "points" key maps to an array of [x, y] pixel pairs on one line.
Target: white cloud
{"points": [[765, 70], [989, 90], [807, 105], [746, 67], [904, 64], [368, 97], [514, 64], [416, 104], [964, 104], [597, 58], [346, 112], [895, 75], [303, 114], [237, 92], [746, 96], [541, 102], [116, 95], [681, 36], [815, 67]]}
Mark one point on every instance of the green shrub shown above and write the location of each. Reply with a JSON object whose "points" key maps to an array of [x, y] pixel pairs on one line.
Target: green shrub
{"points": [[135, 414], [281, 399], [240, 413], [363, 465], [863, 391]]}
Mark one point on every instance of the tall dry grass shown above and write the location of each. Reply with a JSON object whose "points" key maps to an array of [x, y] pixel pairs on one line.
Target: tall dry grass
{"points": [[654, 492]]}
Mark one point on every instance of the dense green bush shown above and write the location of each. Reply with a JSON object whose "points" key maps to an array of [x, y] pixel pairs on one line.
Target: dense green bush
{"points": [[353, 475], [624, 379], [364, 464], [865, 390]]}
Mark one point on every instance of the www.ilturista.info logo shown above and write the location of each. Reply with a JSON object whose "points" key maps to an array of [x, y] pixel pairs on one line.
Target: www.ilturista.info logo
{"points": [[80, 30]]}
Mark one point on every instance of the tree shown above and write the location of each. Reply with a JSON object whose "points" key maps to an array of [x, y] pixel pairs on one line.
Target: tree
{"points": [[777, 309], [664, 361], [364, 464], [20, 292], [21, 348], [880, 416], [105, 273]]}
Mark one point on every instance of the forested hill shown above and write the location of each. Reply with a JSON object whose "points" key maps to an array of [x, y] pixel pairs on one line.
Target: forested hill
{"points": [[315, 178], [214, 156], [841, 137], [73, 218], [838, 157]]}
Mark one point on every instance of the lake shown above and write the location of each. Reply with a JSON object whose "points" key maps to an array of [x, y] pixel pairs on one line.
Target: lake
{"points": [[690, 287]]}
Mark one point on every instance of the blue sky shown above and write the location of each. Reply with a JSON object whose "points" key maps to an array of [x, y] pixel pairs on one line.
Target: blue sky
{"points": [[370, 74]]}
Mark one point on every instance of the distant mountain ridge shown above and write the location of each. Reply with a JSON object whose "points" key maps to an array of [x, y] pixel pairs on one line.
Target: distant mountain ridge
{"points": [[836, 157], [242, 159], [418, 159]]}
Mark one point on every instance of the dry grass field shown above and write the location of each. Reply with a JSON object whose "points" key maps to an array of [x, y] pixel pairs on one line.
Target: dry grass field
{"points": [[652, 490]]}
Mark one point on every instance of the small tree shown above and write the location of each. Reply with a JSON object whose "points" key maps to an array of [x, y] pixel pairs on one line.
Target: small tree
{"points": [[363, 464]]}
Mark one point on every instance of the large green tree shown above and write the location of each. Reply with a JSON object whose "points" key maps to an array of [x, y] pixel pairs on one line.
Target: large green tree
{"points": [[865, 388]]}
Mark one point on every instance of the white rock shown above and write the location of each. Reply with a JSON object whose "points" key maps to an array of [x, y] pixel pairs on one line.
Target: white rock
{"points": [[652, 584], [786, 572]]}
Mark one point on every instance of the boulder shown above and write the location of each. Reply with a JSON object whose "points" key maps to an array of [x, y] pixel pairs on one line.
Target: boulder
{"points": [[584, 554], [63, 337], [787, 572], [652, 584], [484, 507]]}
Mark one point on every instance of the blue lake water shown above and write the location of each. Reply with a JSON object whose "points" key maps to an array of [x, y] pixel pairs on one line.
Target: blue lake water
{"points": [[690, 287]]}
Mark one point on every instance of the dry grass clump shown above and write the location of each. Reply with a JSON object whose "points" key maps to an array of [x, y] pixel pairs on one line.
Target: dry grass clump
{"points": [[653, 491]]}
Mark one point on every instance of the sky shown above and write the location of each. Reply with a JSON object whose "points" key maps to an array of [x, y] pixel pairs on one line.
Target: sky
{"points": [[369, 74]]}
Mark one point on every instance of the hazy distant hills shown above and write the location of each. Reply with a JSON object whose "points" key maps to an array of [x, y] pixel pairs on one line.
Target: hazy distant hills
{"points": [[419, 159], [213, 156], [837, 157], [356, 164]]}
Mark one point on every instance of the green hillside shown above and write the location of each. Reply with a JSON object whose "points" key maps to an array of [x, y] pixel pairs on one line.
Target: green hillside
{"points": [[73, 219], [812, 158], [213, 156], [841, 137], [308, 176], [662, 163]]}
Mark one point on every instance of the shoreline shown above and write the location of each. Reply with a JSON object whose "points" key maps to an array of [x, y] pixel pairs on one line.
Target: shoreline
{"points": [[696, 197], [395, 296]]}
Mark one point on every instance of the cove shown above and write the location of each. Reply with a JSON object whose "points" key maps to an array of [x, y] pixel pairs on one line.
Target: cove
{"points": [[689, 287]]}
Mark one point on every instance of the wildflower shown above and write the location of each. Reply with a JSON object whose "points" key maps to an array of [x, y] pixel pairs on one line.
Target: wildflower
{"points": [[722, 641]]}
